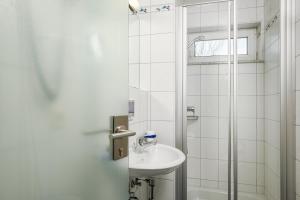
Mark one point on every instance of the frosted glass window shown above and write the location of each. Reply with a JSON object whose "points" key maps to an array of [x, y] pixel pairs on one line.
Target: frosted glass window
{"points": [[219, 47]]}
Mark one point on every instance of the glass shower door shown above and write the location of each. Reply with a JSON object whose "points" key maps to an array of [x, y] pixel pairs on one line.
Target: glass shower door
{"points": [[209, 97]]}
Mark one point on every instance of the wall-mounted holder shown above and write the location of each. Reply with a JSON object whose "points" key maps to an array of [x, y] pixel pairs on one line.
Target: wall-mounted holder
{"points": [[193, 116], [120, 136]]}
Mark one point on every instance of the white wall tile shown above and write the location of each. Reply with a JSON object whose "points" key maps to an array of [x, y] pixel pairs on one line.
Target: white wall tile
{"points": [[260, 84], [260, 106], [247, 15], [246, 188], [260, 152], [209, 184], [210, 19], [209, 148], [214, 7], [246, 106], [162, 106], [193, 70], [223, 18], [194, 147], [162, 22], [260, 3], [134, 75], [260, 129], [223, 148], [209, 106], [209, 85], [145, 49], [145, 24], [246, 128], [193, 128], [145, 2], [223, 170], [162, 48], [193, 20], [209, 127], [193, 167], [247, 84], [161, 186], [247, 68], [297, 10], [158, 2], [247, 173], [260, 68], [223, 127], [194, 9], [209, 169], [165, 132], [223, 85], [209, 69], [134, 53], [193, 85], [223, 106], [247, 151], [145, 77], [246, 3], [134, 25], [163, 77]]}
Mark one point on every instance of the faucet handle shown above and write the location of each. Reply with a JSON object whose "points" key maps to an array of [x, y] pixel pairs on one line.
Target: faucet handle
{"points": [[150, 134]]}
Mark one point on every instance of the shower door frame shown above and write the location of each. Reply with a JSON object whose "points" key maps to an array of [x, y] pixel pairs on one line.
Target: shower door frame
{"points": [[181, 72], [288, 103]]}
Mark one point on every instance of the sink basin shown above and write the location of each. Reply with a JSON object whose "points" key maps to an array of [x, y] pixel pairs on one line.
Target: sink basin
{"points": [[155, 160]]}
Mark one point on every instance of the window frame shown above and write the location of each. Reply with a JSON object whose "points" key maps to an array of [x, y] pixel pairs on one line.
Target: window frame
{"points": [[250, 33], [222, 39]]}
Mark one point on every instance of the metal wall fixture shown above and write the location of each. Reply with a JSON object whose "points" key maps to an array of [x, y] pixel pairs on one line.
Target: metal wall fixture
{"points": [[120, 136], [191, 113], [164, 8], [272, 21]]}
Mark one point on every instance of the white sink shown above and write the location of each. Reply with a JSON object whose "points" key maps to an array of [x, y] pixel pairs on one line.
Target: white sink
{"points": [[155, 160]]}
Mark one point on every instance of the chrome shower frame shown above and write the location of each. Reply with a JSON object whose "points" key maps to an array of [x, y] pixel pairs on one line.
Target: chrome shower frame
{"points": [[181, 122], [288, 105]]}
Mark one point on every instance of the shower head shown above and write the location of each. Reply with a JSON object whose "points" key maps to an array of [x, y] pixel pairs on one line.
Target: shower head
{"points": [[198, 38]]}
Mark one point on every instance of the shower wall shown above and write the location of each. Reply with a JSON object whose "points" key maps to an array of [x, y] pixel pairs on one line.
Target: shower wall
{"points": [[207, 91], [207, 137], [272, 101]]}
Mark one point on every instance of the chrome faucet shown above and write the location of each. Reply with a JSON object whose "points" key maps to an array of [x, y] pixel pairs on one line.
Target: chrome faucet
{"points": [[145, 141]]}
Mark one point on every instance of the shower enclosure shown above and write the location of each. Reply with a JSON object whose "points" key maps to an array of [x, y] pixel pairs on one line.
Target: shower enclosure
{"points": [[231, 101]]}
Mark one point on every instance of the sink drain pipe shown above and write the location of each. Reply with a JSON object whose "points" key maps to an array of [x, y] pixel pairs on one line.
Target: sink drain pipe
{"points": [[137, 182], [151, 185]]}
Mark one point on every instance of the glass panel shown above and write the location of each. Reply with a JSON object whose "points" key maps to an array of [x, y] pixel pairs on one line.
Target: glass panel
{"points": [[208, 93], [64, 67], [258, 109], [219, 47]]}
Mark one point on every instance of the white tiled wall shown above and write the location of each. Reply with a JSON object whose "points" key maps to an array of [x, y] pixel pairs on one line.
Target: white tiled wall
{"points": [[207, 137], [207, 91], [152, 79], [298, 98], [272, 102]]}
